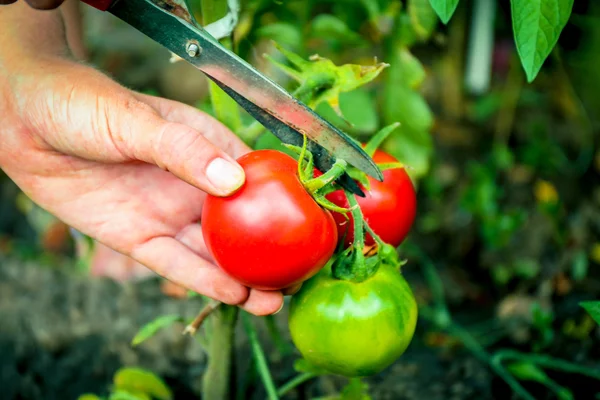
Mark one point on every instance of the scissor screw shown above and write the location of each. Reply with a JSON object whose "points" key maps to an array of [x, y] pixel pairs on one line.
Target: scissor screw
{"points": [[193, 50]]}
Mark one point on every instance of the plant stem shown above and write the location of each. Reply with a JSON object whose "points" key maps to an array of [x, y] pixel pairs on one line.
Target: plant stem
{"points": [[294, 382], [478, 351], [282, 346], [440, 316], [352, 265], [216, 380], [359, 229], [259, 357], [193, 327], [338, 168], [547, 362], [510, 99]]}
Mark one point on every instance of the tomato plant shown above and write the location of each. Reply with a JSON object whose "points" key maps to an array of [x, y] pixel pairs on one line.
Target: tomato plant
{"points": [[271, 234], [353, 329], [389, 207]]}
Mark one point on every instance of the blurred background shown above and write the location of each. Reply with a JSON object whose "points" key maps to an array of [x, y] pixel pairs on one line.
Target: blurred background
{"points": [[505, 246]]}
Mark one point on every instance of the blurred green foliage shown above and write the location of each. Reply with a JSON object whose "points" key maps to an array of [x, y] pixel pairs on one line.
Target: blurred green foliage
{"points": [[487, 166]]}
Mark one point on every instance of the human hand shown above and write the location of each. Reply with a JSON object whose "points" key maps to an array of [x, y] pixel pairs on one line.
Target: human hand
{"points": [[127, 169]]}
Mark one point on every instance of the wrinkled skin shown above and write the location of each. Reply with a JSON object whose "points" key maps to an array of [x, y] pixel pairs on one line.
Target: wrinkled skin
{"points": [[389, 207], [129, 170], [271, 233], [353, 329]]}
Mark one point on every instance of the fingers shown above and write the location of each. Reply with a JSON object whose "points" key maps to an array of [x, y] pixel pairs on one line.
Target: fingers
{"points": [[95, 118], [192, 237], [177, 263], [182, 150], [263, 303], [258, 302], [217, 133]]}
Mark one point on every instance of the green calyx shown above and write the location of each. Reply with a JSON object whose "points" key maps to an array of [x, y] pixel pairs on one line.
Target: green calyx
{"points": [[320, 186], [358, 263], [320, 80]]}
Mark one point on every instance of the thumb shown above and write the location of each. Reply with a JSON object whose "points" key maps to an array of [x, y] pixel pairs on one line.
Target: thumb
{"points": [[95, 118], [180, 149]]}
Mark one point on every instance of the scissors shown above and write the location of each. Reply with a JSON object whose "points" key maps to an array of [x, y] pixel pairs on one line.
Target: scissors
{"points": [[169, 23]]}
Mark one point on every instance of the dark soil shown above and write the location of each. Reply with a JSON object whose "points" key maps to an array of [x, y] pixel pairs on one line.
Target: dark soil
{"points": [[63, 335]]}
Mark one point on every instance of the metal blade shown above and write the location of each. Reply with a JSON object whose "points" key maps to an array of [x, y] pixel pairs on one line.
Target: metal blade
{"points": [[322, 159], [196, 46]]}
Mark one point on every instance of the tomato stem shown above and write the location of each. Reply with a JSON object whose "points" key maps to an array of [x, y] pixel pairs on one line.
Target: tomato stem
{"points": [[302, 171], [320, 186], [359, 229], [338, 168], [351, 264]]}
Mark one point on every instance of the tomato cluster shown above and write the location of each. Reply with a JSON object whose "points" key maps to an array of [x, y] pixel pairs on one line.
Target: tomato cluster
{"points": [[274, 233]]}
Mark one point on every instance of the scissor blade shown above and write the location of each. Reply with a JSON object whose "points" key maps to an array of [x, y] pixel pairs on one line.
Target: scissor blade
{"points": [[224, 66], [322, 159]]}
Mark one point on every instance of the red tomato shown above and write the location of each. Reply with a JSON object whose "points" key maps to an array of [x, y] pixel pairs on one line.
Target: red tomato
{"points": [[270, 234], [389, 207]]}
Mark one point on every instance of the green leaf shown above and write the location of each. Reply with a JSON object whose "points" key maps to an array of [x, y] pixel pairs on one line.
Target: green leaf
{"points": [[408, 107], [125, 395], [374, 143], [285, 33], [331, 27], [392, 165], [580, 266], [444, 8], [527, 371], [323, 81], [537, 24], [89, 396], [423, 18], [412, 148], [359, 112], [136, 380], [410, 68], [593, 308], [150, 329], [564, 394]]}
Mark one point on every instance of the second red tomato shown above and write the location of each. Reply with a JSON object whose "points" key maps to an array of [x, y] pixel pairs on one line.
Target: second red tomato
{"points": [[389, 206]]}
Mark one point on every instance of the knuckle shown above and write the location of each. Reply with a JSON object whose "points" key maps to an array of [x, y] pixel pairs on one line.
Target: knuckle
{"points": [[119, 116], [177, 144]]}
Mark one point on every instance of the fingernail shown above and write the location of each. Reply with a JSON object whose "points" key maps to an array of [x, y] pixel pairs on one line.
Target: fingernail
{"points": [[225, 176], [280, 308]]}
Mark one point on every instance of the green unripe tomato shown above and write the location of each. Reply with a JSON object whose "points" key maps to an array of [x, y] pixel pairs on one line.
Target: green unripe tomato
{"points": [[353, 329]]}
